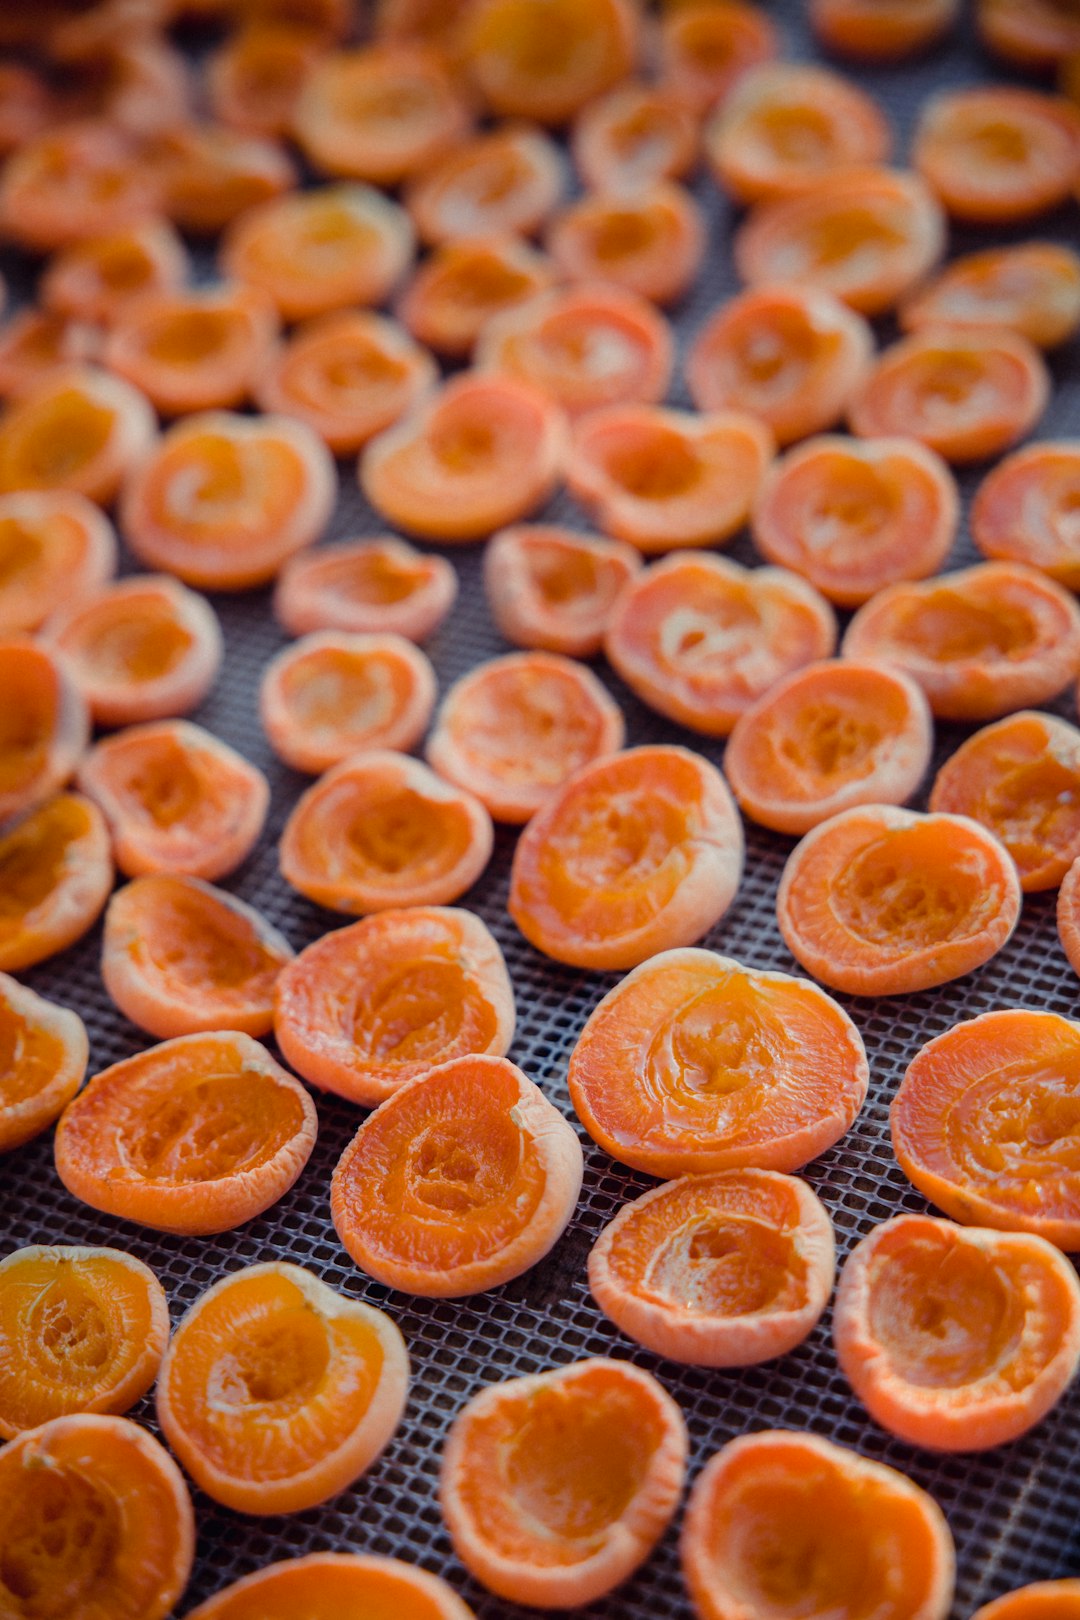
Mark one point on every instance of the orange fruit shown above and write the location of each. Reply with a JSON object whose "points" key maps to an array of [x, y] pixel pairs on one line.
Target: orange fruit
{"points": [[554, 588], [364, 587], [55, 875], [43, 1053]]}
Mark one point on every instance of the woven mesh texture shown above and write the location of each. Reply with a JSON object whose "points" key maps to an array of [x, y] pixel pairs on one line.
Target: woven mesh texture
{"points": [[1012, 1512]]}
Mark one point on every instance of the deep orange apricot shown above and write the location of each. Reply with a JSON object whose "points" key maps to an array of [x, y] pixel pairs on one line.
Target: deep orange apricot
{"points": [[504, 182], [463, 284], [636, 854], [25, 106], [43, 1054], [480, 452], [794, 356], [179, 957], [381, 831], [44, 725], [787, 125], [550, 1523], [983, 1124], [371, 586], [142, 648], [867, 235], [55, 875], [423, 22], [1035, 34], [853, 516], [882, 901], [223, 500], [705, 49], [194, 1136], [276, 1393], [210, 174], [1044, 1600], [79, 429], [95, 1517], [75, 181], [994, 154], [1025, 510], [1032, 287], [545, 59], [368, 1007], [332, 694], [55, 547], [699, 638], [321, 250], [633, 135], [956, 1339], [196, 350], [650, 241], [325, 1586], [379, 112], [255, 79], [981, 642], [881, 30], [36, 342], [97, 278], [553, 588], [515, 728], [826, 738], [760, 1535], [176, 798], [720, 1270]]}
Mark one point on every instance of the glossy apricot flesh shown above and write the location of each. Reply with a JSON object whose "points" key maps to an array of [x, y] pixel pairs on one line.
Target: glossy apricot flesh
{"points": [[195, 350], [55, 875], [79, 429], [464, 284], [43, 1053], [255, 78], [55, 547], [650, 240], [1032, 287], [1043, 1600], [327, 1584], [554, 588], [81, 1330], [995, 154], [720, 1270], [44, 726], [276, 1392], [546, 60], [366, 586], [501, 183], [1025, 510], [881, 30]]}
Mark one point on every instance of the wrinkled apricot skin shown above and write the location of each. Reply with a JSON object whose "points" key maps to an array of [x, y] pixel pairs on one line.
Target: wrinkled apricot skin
{"points": [[55, 875], [194, 1136], [505, 182], [276, 1392], [983, 1124], [1033, 288], [79, 429], [956, 1338], [995, 154], [43, 1053], [462, 1179], [555, 589], [55, 548], [722, 1270], [1024, 508], [323, 1586], [194, 350], [554, 1523], [117, 1320], [546, 60], [368, 1007], [366, 587], [651, 241], [1044, 1600], [44, 726]]}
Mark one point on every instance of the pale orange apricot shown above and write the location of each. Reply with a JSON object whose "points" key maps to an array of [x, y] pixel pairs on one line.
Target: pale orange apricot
{"points": [[255, 79], [463, 284], [635, 134], [545, 59], [209, 174], [1024, 510], [196, 350], [553, 588], [55, 547], [79, 429], [78, 180], [326, 1586], [43, 1054], [699, 638], [36, 342], [25, 106], [1035, 34], [95, 279], [504, 182], [1033, 288], [55, 875], [44, 725], [366, 586], [881, 30], [1043, 1600], [994, 154], [650, 241], [706, 49]]}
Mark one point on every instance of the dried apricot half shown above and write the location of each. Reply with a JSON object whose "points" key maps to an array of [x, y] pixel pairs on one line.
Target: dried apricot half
{"points": [[380, 831], [881, 901], [210, 173], [720, 1270], [44, 725], [636, 854], [1032, 287], [199, 349], [1068, 915], [74, 180], [366, 586], [760, 1535], [707, 47], [553, 1521], [995, 153], [956, 1338], [368, 1007], [96, 279], [43, 1053], [276, 1392], [545, 59], [194, 1136], [881, 30], [650, 240], [81, 1330], [55, 547], [700, 639], [504, 182], [180, 957], [36, 342], [464, 284], [327, 1586], [254, 80], [633, 135], [79, 429], [553, 588], [1035, 34], [1044, 1600], [826, 738], [1025, 510], [464, 1177], [55, 875]]}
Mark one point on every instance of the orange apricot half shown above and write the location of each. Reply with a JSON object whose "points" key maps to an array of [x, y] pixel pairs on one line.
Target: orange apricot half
{"points": [[464, 284], [141, 648], [79, 429], [1068, 915], [254, 80], [882, 901], [25, 106], [179, 957], [194, 1136], [515, 728], [1043, 1600], [55, 875], [760, 1535], [95, 1517], [1032, 287], [553, 588], [37, 342], [199, 349], [326, 1586], [983, 1124], [881, 30], [851, 516], [956, 1338], [332, 694], [366, 586], [635, 134], [43, 1053], [721, 1270], [1037, 34], [501, 183], [96, 279], [78, 179], [381, 831], [55, 547], [650, 240], [44, 725], [545, 59], [660, 478], [481, 452], [1025, 510], [223, 500], [635, 854], [210, 174], [368, 1007], [826, 738], [463, 1178], [176, 798], [707, 48], [694, 1063], [995, 154], [981, 642], [700, 639], [81, 1330], [554, 1522], [276, 1393]]}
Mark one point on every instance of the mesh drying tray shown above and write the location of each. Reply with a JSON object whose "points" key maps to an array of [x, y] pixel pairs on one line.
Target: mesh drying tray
{"points": [[1013, 1512]]}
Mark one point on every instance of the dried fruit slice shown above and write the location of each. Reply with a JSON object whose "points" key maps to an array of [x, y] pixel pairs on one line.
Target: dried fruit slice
{"points": [[554, 588], [1032, 287], [1044, 1600], [995, 154], [76, 180], [44, 726], [366, 586], [43, 1053], [650, 240], [326, 1586], [55, 548], [78, 429], [199, 349], [707, 48], [97, 279], [55, 875], [545, 59], [1025, 510], [634, 134], [466, 283], [501, 183]]}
